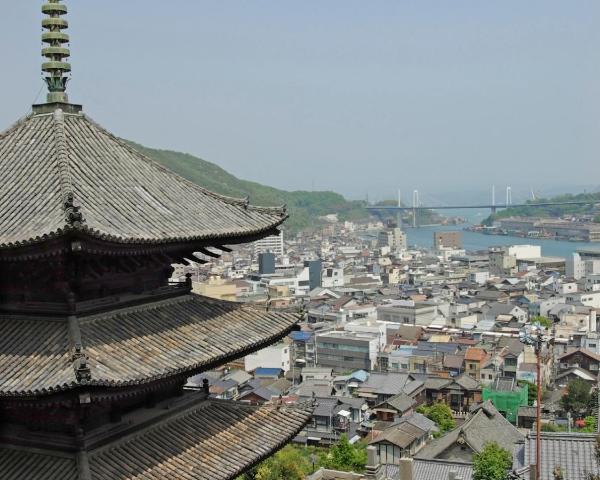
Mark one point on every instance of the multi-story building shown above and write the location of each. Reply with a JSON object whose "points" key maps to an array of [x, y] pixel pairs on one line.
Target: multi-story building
{"points": [[274, 356], [272, 244], [504, 260], [408, 312], [447, 239], [393, 238], [475, 360], [344, 351]]}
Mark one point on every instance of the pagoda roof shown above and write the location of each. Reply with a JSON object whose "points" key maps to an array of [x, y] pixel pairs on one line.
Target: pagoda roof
{"points": [[184, 335], [61, 172], [214, 440]]}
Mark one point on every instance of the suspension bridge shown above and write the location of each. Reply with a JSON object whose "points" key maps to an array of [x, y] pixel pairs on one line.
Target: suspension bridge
{"points": [[493, 206]]}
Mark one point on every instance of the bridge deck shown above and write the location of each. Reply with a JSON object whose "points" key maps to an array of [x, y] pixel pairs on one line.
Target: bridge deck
{"points": [[481, 207]]}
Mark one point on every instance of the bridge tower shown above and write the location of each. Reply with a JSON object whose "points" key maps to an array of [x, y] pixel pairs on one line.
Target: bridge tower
{"points": [[493, 199], [415, 206], [508, 196], [399, 214]]}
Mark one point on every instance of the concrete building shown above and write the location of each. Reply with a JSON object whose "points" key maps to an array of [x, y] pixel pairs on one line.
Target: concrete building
{"points": [[344, 351], [272, 244], [275, 356], [575, 266], [266, 263], [479, 277], [447, 239], [216, 287], [408, 312], [333, 277], [503, 260], [393, 238]]}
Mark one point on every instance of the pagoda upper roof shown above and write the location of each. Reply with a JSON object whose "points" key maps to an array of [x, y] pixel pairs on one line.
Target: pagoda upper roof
{"points": [[135, 345], [61, 172], [213, 440]]}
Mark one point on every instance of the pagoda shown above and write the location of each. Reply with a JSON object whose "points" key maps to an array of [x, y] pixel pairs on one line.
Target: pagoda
{"points": [[96, 342]]}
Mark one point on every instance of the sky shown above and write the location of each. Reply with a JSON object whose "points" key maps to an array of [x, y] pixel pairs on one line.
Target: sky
{"points": [[360, 97]]}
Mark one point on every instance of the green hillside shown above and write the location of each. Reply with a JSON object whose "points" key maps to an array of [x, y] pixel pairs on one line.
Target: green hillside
{"points": [[550, 211], [304, 207]]}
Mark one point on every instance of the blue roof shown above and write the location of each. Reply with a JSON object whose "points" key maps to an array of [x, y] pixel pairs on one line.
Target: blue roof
{"points": [[267, 372], [360, 375], [301, 336]]}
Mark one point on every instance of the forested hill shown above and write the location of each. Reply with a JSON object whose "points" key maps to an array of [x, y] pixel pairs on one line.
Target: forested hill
{"points": [[551, 211], [304, 207]]}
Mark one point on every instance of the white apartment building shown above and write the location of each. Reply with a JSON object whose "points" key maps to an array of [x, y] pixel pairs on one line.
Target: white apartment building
{"points": [[272, 244], [332, 277], [274, 356], [394, 238], [575, 267]]}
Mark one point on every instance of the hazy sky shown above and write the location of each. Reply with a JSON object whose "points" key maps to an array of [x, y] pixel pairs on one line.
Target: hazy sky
{"points": [[348, 95]]}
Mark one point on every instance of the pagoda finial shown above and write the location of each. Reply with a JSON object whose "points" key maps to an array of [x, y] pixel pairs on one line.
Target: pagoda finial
{"points": [[55, 67]]}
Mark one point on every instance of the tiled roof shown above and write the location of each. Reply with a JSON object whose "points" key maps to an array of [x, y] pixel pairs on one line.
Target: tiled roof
{"points": [[390, 383], [401, 435], [218, 441], [475, 354], [434, 469], [215, 440], [123, 196], [400, 402], [573, 452], [20, 464], [139, 344], [482, 426]]}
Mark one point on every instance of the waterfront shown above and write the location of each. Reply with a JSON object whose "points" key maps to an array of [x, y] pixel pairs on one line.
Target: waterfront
{"points": [[472, 241]]}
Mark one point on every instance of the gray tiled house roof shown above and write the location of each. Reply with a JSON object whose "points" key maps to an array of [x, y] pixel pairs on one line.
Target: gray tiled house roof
{"points": [[572, 452], [52, 162], [484, 425]]}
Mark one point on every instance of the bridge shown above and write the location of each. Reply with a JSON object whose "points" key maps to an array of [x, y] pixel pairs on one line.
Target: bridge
{"points": [[394, 208], [417, 206]]}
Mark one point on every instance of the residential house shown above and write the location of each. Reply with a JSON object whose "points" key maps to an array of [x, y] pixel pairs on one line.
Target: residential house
{"points": [[460, 393], [583, 359], [483, 425], [394, 407], [403, 439], [475, 359]]}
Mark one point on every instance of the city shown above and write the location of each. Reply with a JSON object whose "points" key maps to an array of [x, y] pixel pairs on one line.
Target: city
{"points": [[389, 329]]}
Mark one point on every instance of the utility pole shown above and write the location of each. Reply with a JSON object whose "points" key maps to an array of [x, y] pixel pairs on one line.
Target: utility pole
{"points": [[533, 335]]}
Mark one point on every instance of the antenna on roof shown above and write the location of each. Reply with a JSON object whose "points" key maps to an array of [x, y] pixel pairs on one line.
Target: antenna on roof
{"points": [[55, 66]]}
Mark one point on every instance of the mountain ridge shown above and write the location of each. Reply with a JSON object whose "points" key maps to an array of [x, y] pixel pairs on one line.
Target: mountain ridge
{"points": [[303, 206]]}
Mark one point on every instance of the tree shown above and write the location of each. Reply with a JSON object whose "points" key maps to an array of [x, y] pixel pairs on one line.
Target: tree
{"points": [[578, 397], [346, 457], [531, 391], [288, 463], [543, 321], [440, 413], [493, 463]]}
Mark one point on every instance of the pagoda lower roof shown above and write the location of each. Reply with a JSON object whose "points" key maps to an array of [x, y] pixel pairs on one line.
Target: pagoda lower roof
{"points": [[215, 440], [184, 335], [63, 173]]}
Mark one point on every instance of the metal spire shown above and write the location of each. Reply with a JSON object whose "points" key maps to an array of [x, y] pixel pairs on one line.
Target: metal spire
{"points": [[55, 67]]}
